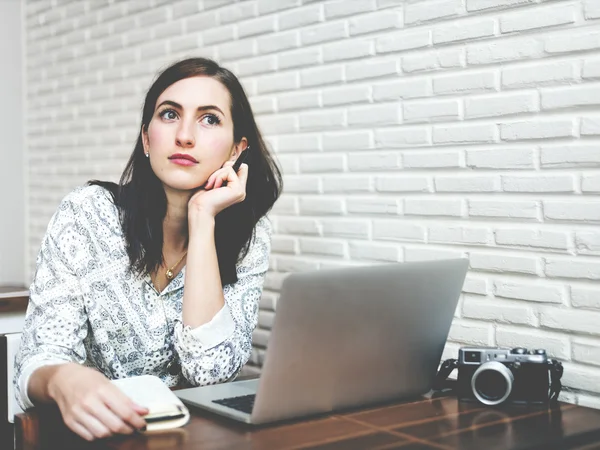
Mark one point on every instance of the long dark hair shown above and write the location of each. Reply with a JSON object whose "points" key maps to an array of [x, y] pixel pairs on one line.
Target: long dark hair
{"points": [[140, 195]]}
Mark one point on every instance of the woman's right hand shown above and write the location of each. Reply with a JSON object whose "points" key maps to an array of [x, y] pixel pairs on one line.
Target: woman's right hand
{"points": [[91, 405]]}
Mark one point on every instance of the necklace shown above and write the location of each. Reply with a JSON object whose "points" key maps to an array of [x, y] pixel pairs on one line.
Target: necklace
{"points": [[169, 273]]}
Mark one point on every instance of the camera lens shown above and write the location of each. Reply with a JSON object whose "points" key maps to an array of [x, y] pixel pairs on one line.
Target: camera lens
{"points": [[492, 383], [472, 357]]}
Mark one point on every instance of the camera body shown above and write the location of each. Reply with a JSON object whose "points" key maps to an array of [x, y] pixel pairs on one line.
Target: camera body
{"points": [[498, 375]]}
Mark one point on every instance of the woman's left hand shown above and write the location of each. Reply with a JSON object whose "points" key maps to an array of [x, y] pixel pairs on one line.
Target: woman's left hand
{"points": [[214, 197]]}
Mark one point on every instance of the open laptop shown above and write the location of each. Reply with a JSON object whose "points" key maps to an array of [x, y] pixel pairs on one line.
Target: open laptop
{"points": [[346, 338]]}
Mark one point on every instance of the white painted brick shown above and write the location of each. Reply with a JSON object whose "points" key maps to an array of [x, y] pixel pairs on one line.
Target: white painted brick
{"points": [[253, 66], [286, 263], [534, 292], [298, 225], [570, 156], [288, 163], [533, 238], [321, 76], [573, 41], [464, 134], [375, 252], [590, 183], [273, 43], [540, 129], [373, 161], [555, 344], [555, 98], [322, 163], [402, 137], [320, 246], [585, 297], [323, 33], [540, 74], [345, 95], [463, 83], [587, 401], [278, 124], [572, 210], [302, 184], [260, 25], [419, 110], [237, 12], [509, 158], [590, 126], [427, 254], [463, 31], [286, 205], [299, 142], [359, 229], [478, 5], [504, 51], [503, 263], [299, 17], [501, 105], [284, 244], [587, 242], [218, 35], [517, 209], [378, 21], [542, 17], [343, 8], [499, 311], [570, 320], [322, 120], [363, 70], [460, 235], [434, 60], [270, 6], [347, 140], [278, 82], [398, 230], [592, 9], [299, 58], [433, 207], [379, 205], [538, 183], [403, 40], [591, 68], [573, 268], [429, 160], [373, 115], [471, 333], [348, 50], [587, 351], [475, 285], [430, 10], [402, 89], [347, 184], [467, 184], [263, 105], [402, 184]]}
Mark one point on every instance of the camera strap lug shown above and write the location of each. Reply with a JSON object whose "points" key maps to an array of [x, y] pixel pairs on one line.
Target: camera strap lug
{"points": [[445, 369]]}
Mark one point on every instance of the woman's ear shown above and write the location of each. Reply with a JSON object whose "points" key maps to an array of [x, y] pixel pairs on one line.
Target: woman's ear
{"points": [[145, 141], [238, 149]]}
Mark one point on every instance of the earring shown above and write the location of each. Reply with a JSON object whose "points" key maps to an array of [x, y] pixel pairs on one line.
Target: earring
{"points": [[147, 155]]}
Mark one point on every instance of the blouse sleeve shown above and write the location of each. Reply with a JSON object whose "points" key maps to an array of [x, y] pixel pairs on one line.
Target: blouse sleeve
{"points": [[55, 321], [216, 351]]}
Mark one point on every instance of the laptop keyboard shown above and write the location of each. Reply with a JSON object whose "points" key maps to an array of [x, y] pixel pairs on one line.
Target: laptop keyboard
{"points": [[243, 403]]}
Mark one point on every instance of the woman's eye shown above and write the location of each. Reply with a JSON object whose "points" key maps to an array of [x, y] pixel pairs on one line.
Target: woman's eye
{"points": [[168, 114], [211, 119]]}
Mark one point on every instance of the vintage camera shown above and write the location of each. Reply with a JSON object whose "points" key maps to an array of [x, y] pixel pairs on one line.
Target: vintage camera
{"points": [[498, 375]]}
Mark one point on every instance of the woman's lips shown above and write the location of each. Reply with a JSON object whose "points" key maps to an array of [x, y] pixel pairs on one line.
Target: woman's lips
{"points": [[183, 162]]}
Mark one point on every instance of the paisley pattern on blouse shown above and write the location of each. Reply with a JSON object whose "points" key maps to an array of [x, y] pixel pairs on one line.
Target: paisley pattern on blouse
{"points": [[87, 307]]}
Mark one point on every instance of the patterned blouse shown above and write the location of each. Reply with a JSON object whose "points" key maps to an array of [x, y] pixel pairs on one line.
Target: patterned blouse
{"points": [[86, 306]]}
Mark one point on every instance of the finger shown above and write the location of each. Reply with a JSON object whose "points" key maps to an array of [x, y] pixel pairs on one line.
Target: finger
{"points": [[127, 412], [81, 430], [227, 175], [111, 421], [93, 425], [243, 174], [228, 163]]}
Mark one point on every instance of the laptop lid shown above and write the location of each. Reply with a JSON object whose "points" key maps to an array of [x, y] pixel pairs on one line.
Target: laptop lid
{"points": [[357, 336]]}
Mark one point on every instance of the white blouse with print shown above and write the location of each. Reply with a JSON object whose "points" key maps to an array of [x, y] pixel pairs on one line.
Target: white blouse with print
{"points": [[86, 306]]}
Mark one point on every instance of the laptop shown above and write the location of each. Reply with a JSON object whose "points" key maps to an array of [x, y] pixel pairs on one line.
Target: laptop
{"points": [[346, 338]]}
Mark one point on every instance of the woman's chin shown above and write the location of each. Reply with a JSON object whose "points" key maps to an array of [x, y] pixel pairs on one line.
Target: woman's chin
{"points": [[183, 185]]}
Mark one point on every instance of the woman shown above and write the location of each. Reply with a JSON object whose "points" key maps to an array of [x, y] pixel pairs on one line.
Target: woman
{"points": [[162, 273]]}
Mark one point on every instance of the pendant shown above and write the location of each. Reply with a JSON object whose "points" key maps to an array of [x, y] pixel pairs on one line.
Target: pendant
{"points": [[169, 274]]}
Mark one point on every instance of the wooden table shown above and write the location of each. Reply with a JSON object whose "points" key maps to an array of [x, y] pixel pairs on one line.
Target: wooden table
{"points": [[427, 423]]}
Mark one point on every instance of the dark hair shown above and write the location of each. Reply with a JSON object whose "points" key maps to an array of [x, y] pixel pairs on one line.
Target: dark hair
{"points": [[141, 199]]}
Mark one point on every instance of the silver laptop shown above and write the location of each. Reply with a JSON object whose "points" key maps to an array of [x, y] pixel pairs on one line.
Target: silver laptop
{"points": [[346, 338]]}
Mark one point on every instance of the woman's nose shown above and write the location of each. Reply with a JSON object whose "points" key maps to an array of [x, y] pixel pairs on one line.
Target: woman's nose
{"points": [[185, 136]]}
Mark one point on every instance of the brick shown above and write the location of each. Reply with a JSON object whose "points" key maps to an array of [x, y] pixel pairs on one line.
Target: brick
{"points": [[464, 134], [428, 254], [322, 120], [270, 6], [538, 183], [424, 11], [479, 5], [278, 124], [572, 211], [517, 209], [590, 183], [533, 238], [375, 252], [502, 263], [463, 83], [374, 115], [379, 21], [297, 225], [397, 230], [591, 68], [555, 344], [347, 140], [402, 184], [322, 163], [501, 105], [534, 292], [403, 40], [347, 184], [402, 137], [585, 298], [218, 35], [434, 60], [573, 268], [345, 95], [238, 50], [499, 311], [284, 244], [587, 242], [590, 126], [471, 333], [345, 50], [385, 206], [433, 207], [343, 8], [401, 89], [278, 42], [475, 285], [373, 161], [426, 110], [299, 58], [539, 74], [572, 42], [301, 100], [537, 129], [586, 351], [321, 76], [556, 98], [460, 235], [467, 184], [300, 17], [591, 9], [254, 66], [463, 31], [323, 33], [566, 319], [287, 263], [300, 142], [337, 228], [302, 184], [509, 158], [288, 163], [503, 51], [570, 156], [325, 247], [236, 13], [364, 70], [254, 27], [428, 160], [587, 401], [263, 105], [543, 17]]}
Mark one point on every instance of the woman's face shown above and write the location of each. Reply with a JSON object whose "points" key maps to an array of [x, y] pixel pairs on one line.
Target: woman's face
{"points": [[190, 134]]}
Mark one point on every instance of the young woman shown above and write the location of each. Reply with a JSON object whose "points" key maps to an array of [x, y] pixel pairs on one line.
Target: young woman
{"points": [[162, 273]]}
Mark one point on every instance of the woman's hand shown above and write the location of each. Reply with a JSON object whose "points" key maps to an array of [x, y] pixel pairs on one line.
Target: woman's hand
{"points": [[92, 406], [215, 197]]}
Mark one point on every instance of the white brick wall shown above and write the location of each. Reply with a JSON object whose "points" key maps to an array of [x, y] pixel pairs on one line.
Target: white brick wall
{"points": [[407, 130]]}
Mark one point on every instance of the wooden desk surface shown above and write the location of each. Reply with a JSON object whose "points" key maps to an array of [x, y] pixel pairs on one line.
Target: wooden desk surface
{"points": [[428, 423]]}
